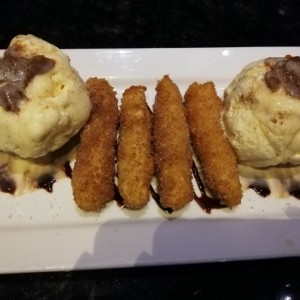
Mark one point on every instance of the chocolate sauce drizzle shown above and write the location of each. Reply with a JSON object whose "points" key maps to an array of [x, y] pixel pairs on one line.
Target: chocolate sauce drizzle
{"points": [[294, 190], [295, 193], [156, 198], [260, 188], [7, 185], [46, 182], [68, 169], [118, 198], [205, 202], [263, 190]]}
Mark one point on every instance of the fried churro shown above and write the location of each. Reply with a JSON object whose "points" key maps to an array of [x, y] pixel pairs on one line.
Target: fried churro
{"points": [[135, 158], [212, 147], [173, 158], [93, 174]]}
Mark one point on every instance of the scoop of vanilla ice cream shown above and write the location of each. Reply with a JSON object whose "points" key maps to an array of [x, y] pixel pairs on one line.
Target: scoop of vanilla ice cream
{"points": [[263, 122], [55, 108]]}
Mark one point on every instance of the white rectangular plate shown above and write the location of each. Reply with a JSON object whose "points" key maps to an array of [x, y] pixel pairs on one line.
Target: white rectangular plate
{"points": [[46, 232]]}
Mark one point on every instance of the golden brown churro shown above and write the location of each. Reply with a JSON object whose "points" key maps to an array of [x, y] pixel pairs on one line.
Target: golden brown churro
{"points": [[173, 158], [93, 174], [218, 159], [135, 159]]}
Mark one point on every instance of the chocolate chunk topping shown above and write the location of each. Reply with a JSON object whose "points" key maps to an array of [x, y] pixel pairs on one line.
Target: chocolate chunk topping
{"points": [[15, 74], [10, 95], [285, 72]]}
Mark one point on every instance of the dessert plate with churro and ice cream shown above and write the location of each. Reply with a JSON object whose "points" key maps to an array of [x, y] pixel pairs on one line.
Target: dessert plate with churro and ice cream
{"points": [[135, 157]]}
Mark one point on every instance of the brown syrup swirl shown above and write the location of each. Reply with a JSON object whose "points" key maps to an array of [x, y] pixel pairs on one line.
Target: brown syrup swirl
{"points": [[260, 188], [205, 202]]}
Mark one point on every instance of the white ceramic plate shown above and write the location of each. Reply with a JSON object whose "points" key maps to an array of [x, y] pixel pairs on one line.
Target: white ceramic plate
{"points": [[46, 232]]}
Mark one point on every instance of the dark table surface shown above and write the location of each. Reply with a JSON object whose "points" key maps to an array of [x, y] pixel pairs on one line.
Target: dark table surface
{"points": [[143, 24]]}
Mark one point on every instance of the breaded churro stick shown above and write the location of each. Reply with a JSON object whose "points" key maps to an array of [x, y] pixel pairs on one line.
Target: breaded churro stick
{"points": [[217, 158], [173, 158], [93, 174], [135, 158]]}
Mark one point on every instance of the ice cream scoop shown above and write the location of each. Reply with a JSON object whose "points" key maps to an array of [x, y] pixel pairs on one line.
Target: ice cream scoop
{"points": [[43, 100], [262, 112]]}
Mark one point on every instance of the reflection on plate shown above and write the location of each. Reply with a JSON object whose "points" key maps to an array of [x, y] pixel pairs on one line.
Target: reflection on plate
{"points": [[42, 231]]}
